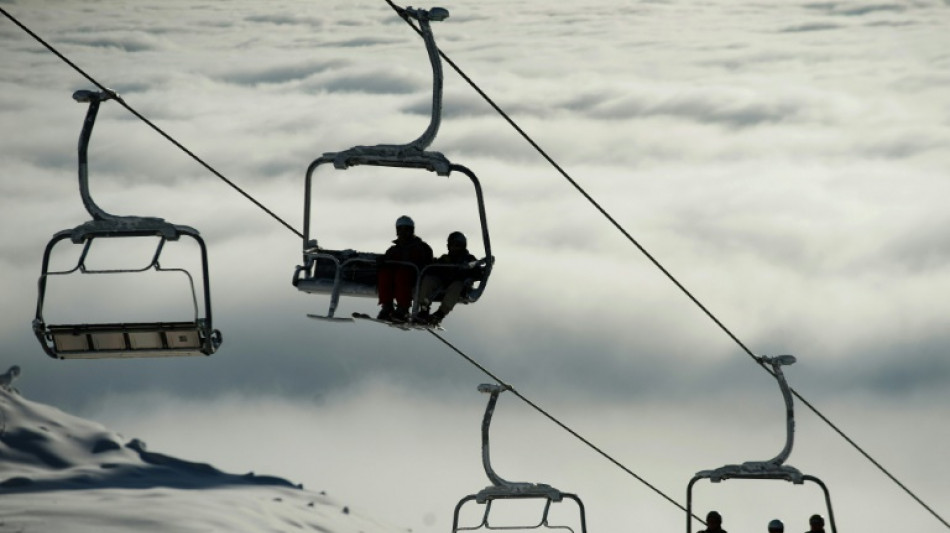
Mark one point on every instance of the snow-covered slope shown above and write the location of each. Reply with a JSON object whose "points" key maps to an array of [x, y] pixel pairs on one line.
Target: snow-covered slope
{"points": [[61, 473]]}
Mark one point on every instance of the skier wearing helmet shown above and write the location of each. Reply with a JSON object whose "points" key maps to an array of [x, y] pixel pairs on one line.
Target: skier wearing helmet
{"points": [[713, 523], [455, 273], [397, 277]]}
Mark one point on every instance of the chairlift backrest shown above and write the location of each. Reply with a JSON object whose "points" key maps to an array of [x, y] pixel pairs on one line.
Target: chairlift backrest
{"points": [[195, 336]]}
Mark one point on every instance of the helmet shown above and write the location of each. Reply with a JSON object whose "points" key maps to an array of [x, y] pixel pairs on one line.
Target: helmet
{"points": [[405, 221], [458, 237], [776, 525]]}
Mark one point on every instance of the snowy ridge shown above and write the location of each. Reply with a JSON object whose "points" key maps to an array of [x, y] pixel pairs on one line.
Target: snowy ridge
{"points": [[59, 472], [44, 448]]}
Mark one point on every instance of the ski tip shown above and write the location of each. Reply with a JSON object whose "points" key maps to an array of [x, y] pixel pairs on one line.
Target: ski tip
{"points": [[329, 318]]}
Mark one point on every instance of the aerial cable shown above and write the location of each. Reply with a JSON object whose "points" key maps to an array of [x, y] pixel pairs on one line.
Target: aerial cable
{"points": [[562, 425], [149, 123], [660, 266]]}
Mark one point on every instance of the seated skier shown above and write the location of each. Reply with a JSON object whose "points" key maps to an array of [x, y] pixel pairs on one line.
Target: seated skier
{"points": [[396, 279], [453, 273]]}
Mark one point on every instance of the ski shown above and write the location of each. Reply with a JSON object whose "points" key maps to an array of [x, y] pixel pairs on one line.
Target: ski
{"points": [[329, 318], [405, 326]]}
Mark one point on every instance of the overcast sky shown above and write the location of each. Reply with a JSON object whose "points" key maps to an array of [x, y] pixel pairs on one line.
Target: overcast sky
{"points": [[787, 163]]}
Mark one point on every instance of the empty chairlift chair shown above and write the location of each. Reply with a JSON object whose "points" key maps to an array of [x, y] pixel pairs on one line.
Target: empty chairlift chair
{"points": [[352, 273], [193, 335], [773, 468], [501, 489]]}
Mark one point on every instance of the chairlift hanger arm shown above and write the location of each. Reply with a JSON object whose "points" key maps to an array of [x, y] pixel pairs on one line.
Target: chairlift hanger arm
{"points": [[777, 363], [93, 98], [411, 154], [493, 391], [104, 223], [424, 16], [775, 465]]}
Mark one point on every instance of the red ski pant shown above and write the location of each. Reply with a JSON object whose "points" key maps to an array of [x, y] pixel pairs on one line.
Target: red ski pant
{"points": [[395, 281]]}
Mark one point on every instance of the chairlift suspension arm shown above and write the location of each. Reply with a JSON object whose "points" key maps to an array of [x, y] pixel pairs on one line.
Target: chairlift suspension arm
{"points": [[424, 17], [776, 363], [94, 99], [494, 390]]}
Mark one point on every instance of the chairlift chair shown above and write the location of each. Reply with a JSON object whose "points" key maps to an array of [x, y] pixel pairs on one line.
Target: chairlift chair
{"points": [[194, 336], [352, 273], [773, 468], [501, 489]]}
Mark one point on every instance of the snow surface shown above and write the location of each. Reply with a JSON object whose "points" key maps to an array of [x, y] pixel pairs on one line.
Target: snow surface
{"points": [[62, 473]]}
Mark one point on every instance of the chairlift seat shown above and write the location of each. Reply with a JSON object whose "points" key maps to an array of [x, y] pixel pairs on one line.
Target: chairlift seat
{"points": [[129, 340], [358, 273]]}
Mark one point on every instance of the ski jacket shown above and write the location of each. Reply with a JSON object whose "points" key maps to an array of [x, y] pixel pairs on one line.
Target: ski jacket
{"points": [[461, 258], [413, 250]]}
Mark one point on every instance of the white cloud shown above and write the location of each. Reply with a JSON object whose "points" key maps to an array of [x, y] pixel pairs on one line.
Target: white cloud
{"points": [[792, 179]]}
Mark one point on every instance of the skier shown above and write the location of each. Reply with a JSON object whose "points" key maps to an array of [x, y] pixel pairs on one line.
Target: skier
{"points": [[398, 271], [454, 277]]}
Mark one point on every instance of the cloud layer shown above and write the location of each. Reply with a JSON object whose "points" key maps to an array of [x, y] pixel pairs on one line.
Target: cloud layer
{"points": [[786, 164]]}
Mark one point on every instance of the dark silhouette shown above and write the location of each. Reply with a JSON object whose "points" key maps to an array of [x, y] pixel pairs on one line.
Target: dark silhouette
{"points": [[713, 523], [816, 524], [398, 271], [453, 276]]}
